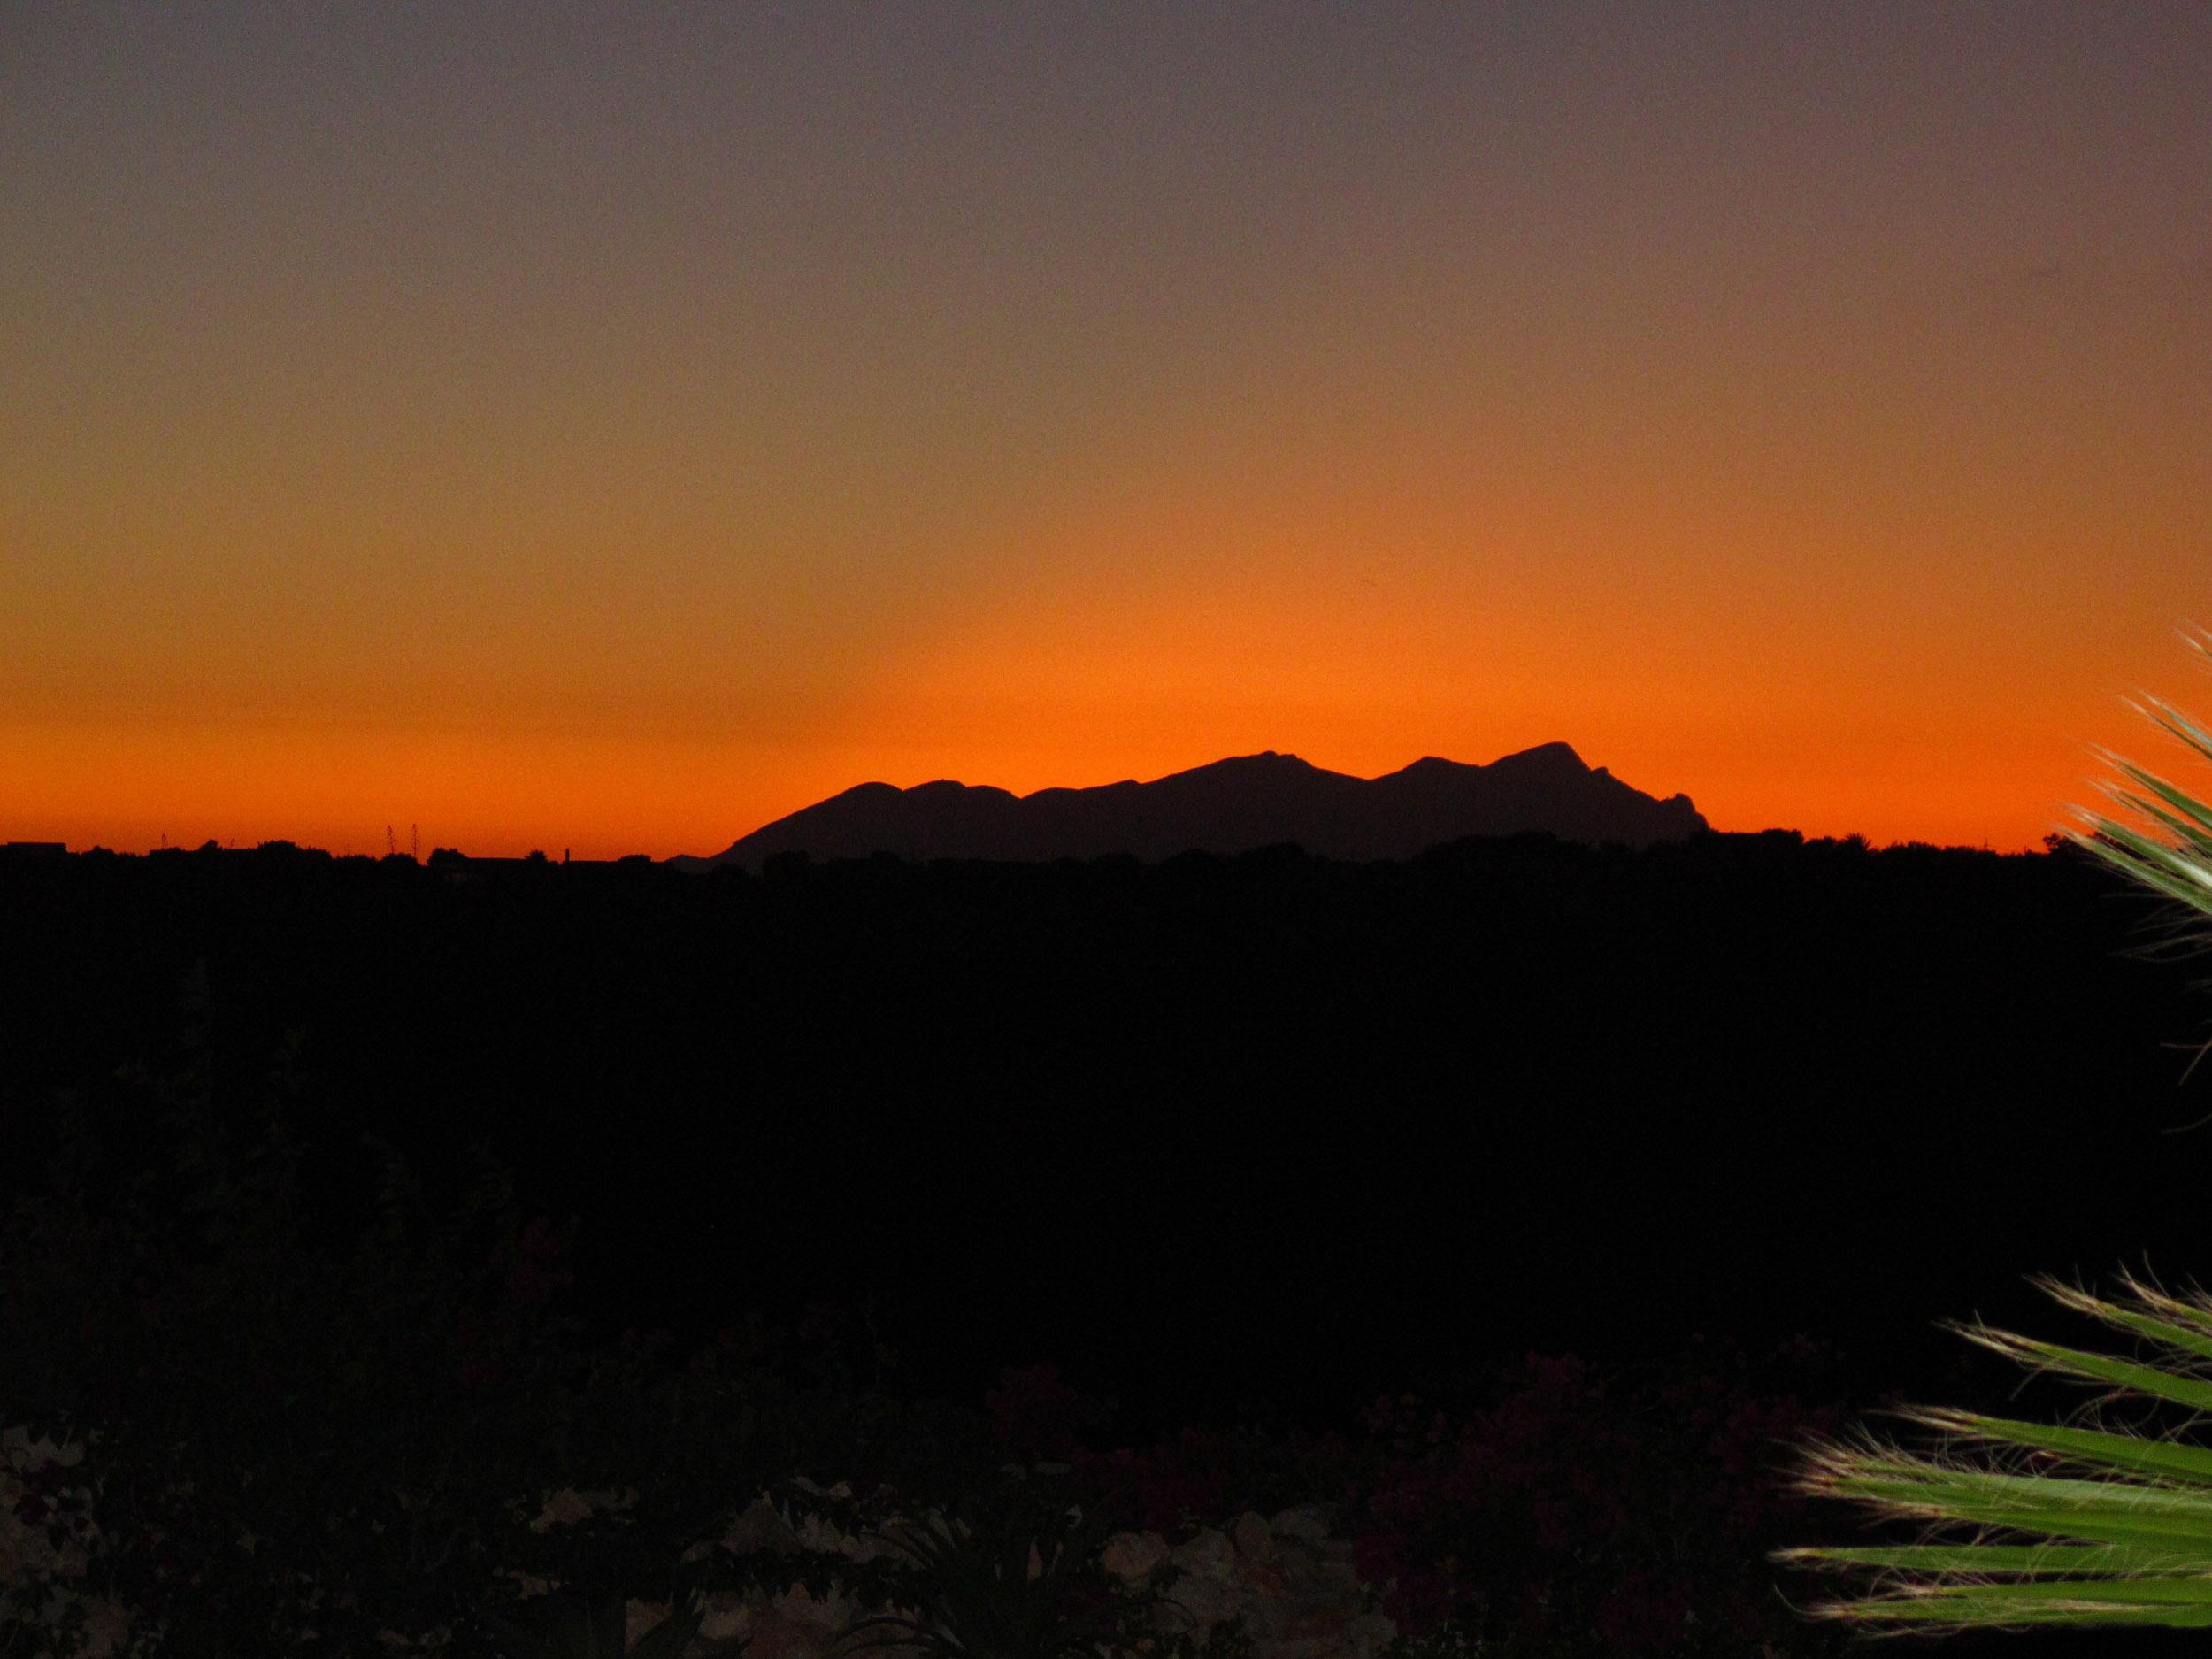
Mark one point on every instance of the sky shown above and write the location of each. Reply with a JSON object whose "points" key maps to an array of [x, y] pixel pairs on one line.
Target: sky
{"points": [[612, 427]]}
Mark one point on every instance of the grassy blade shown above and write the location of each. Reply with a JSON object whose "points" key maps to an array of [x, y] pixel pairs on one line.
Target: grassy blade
{"points": [[2192, 1463], [2126, 1374], [2178, 725], [2005, 1604], [1989, 1559], [2188, 877], [2194, 1318], [2186, 815]]}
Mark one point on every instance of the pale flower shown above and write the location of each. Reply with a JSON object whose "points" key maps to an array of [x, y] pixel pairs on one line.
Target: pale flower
{"points": [[563, 1509], [639, 1616], [26, 1454], [725, 1617], [106, 1627], [526, 1584]]}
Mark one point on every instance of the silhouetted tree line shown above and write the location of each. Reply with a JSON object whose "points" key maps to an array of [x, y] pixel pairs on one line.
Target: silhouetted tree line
{"points": [[1268, 1116]]}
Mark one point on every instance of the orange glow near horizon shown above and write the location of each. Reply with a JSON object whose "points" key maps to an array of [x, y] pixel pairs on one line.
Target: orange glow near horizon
{"points": [[1761, 725], [502, 797], [613, 431], [1835, 693]]}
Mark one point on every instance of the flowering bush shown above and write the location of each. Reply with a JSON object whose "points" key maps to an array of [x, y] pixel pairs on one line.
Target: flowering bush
{"points": [[1016, 1574], [1200, 1476], [49, 1552], [313, 1446], [1034, 1416], [1589, 1513], [206, 1453]]}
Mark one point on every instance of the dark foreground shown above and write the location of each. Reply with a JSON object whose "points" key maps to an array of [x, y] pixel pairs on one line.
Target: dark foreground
{"points": [[1234, 1143], [1258, 1124]]}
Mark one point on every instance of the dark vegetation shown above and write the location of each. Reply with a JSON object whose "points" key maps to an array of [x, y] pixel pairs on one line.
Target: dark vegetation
{"points": [[509, 1175], [1511, 1095]]}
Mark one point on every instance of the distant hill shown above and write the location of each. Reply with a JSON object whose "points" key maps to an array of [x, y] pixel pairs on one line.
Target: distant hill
{"points": [[1231, 806]]}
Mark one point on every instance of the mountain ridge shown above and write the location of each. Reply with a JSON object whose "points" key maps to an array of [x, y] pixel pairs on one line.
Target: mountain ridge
{"points": [[1232, 805]]}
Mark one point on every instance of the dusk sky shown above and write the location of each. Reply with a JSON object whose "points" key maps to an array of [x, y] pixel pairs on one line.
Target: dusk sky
{"points": [[612, 427]]}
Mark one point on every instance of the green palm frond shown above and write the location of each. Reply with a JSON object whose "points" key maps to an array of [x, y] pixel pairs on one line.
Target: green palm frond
{"points": [[2064, 1524], [2177, 865], [2075, 1524], [2179, 868]]}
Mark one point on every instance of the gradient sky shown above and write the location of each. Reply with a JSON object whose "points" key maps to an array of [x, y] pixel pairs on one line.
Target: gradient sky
{"points": [[614, 426]]}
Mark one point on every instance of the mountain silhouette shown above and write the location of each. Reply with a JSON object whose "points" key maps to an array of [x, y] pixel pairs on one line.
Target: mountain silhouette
{"points": [[1231, 806]]}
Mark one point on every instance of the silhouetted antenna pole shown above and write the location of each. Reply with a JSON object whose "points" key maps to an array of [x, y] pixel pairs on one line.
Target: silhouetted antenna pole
{"points": [[414, 843]]}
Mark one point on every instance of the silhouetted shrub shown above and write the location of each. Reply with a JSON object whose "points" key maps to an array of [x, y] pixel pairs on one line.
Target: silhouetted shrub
{"points": [[1594, 1511], [289, 1447]]}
